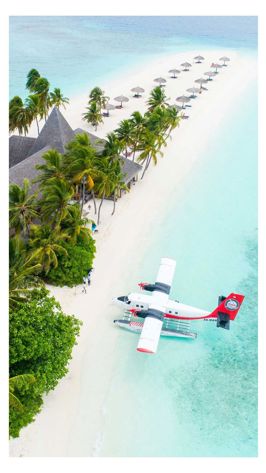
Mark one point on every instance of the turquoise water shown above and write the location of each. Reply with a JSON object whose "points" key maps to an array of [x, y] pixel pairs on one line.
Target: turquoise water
{"points": [[199, 398], [75, 53], [193, 398]]}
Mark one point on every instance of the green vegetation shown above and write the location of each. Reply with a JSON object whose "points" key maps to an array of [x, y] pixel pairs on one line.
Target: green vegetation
{"points": [[41, 342], [37, 104], [49, 238], [73, 265], [93, 115]]}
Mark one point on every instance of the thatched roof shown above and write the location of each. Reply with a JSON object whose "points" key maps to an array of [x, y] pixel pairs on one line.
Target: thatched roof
{"points": [[26, 168], [19, 148], [56, 132], [129, 169]]}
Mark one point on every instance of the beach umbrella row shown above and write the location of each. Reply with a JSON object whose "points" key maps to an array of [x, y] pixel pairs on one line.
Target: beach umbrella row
{"points": [[161, 81]]}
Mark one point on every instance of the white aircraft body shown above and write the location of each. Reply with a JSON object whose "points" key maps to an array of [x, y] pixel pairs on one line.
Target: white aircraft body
{"points": [[167, 317]]}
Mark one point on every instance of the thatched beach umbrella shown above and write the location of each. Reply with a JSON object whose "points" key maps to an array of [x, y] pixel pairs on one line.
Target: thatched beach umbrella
{"points": [[224, 59], [193, 91], [186, 66], [160, 80], [201, 81], [199, 59], [137, 91], [174, 72], [108, 107], [210, 74], [217, 66], [183, 99], [121, 99]]}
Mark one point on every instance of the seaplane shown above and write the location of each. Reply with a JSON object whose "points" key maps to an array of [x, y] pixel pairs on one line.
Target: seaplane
{"points": [[154, 315]]}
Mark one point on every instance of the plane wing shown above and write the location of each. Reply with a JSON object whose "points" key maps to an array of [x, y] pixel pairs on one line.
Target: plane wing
{"points": [[152, 326]]}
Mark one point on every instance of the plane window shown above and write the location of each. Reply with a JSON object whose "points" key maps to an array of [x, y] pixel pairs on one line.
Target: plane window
{"points": [[176, 312], [170, 312], [141, 306], [137, 305]]}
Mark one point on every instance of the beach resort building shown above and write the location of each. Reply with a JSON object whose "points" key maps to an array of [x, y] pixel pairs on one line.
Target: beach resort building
{"points": [[26, 152]]}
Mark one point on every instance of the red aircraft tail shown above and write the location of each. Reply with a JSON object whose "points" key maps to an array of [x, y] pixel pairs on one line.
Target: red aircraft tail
{"points": [[227, 309]]}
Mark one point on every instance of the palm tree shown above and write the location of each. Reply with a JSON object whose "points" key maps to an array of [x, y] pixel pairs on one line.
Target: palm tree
{"points": [[15, 384], [138, 127], [41, 88], [150, 150], [81, 164], [56, 194], [23, 272], [111, 147], [57, 98], [174, 119], [32, 77], [20, 116], [33, 105], [25, 118], [98, 96], [47, 245], [93, 115], [157, 98], [23, 208], [118, 184], [74, 225], [157, 120], [15, 105], [124, 135], [104, 184], [54, 167]]}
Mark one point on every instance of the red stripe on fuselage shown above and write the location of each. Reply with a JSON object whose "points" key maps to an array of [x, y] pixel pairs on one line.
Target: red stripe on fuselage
{"points": [[181, 317]]}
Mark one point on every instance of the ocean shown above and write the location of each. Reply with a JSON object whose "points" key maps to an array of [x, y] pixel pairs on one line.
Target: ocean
{"points": [[199, 398], [194, 398], [77, 53]]}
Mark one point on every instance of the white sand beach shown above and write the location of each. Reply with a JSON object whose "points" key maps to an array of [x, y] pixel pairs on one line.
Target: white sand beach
{"points": [[124, 237]]}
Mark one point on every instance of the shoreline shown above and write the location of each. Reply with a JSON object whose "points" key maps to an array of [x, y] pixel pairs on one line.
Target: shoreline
{"points": [[145, 203]]}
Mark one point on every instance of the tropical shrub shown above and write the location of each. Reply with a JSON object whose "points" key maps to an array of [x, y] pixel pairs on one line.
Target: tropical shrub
{"points": [[41, 341], [75, 265]]}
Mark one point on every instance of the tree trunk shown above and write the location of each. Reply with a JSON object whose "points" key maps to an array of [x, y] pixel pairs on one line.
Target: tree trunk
{"points": [[114, 200], [37, 123], [93, 198], [146, 166], [99, 211], [83, 194]]}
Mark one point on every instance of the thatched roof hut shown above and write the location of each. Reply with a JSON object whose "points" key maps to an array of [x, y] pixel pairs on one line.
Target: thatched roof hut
{"points": [[26, 152]]}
